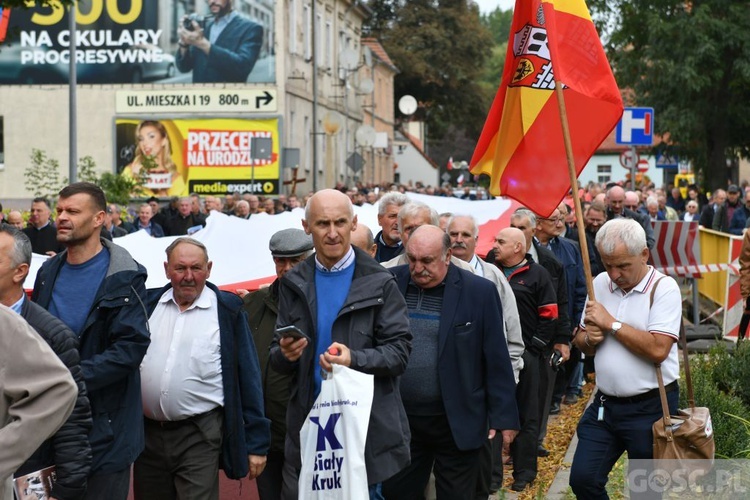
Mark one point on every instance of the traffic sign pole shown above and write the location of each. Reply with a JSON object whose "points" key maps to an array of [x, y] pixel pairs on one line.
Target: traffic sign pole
{"points": [[633, 168]]}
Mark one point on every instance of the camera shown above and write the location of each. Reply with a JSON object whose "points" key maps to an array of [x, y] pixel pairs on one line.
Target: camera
{"points": [[555, 360], [199, 20]]}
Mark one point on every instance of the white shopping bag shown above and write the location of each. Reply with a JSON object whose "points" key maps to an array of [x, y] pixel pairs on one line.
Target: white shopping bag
{"points": [[332, 439]]}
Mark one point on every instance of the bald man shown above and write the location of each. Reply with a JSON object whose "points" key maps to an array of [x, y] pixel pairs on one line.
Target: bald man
{"points": [[15, 219], [360, 316], [537, 307], [458, 388], [362, 238], [616, 209]]}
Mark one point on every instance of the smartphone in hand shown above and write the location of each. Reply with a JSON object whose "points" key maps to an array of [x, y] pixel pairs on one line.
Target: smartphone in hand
{"points": [[292, 331]]}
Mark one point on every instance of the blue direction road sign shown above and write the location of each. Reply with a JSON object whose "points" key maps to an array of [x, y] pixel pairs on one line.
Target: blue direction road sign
{"points": [[636, 128]]}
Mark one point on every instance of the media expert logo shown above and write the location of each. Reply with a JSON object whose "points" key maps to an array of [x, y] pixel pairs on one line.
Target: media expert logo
{"points": [[4, 18], [327, 467]]}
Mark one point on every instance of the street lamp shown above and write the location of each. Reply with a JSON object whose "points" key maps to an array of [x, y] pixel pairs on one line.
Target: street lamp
{"points": [[332, 122]]}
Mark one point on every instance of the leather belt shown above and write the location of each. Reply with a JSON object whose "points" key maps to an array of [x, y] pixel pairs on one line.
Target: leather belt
{"points": [[653, 393], [175, 424]]}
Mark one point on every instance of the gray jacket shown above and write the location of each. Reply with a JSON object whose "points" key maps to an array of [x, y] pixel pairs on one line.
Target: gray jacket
{"points": [[374, 324]]}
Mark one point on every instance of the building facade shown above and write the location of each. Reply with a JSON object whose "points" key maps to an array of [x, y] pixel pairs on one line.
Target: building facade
{"points": [[309, 75]]}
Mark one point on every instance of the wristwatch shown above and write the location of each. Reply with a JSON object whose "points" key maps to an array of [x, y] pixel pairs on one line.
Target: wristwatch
{"points": [[615, 328]]}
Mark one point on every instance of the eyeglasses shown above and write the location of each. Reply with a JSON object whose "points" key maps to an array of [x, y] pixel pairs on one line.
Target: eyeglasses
{"points": [[556, 220]]}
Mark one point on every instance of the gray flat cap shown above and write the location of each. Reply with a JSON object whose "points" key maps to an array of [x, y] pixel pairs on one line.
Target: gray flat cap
{"points": [[290, 243]]}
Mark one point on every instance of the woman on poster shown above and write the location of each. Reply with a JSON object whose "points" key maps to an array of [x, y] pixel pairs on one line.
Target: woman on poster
{"points": [[152, 153]]}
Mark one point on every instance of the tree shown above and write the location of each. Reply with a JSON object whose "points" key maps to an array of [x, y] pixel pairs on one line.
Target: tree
{"points": [[691, 62], [498, 22], [440, 47], [43, 175], [43, 179]]}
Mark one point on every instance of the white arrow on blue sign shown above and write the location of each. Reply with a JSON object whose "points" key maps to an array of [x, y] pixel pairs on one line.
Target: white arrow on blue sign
{"points": [[636, 128]]}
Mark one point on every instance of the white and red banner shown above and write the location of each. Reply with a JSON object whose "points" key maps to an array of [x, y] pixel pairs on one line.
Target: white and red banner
{"points": [[239, 247]]}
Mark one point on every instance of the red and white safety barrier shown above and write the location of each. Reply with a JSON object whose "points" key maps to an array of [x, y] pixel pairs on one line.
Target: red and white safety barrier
{"points": [[677, 249], [734, 304]]}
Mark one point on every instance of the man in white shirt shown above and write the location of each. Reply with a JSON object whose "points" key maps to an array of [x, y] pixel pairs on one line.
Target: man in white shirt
{"points": [[201, 385], [629, 334]]}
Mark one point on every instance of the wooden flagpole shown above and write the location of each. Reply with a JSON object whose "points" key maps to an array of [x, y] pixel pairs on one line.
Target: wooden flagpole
{"points": [[574, 188]]}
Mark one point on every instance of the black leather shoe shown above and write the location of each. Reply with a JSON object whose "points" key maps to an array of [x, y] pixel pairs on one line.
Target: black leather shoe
{"points": [[554, 409], [541, 451], [519, 485]]}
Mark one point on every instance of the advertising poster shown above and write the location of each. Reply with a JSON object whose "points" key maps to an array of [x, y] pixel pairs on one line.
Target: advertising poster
{"points": [[212, 156], [136, 41]]}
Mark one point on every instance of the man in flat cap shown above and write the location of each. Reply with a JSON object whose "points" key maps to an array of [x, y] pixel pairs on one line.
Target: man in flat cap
{"points": [[288, 247]]}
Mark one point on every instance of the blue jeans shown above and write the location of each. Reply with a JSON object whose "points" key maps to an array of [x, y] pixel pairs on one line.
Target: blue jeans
{"points": [[626, 427]]}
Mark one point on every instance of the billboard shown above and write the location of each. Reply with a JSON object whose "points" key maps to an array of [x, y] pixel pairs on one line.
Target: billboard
{"points": [[212, 156], [136, 41]]}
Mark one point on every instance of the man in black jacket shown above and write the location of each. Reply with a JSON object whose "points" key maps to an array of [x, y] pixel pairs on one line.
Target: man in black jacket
{"points": [[616, 208], [68, 449], [288, 248]]}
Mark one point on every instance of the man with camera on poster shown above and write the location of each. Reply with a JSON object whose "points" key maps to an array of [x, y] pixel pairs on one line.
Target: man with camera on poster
{"points": [[222, 48]]}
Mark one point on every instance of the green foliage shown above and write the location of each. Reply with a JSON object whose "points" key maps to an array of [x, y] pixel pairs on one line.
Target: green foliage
{"points": [[43, 179], [119, 188], [731, 438], [42, 176], [440, 47], [498, 23], [691, 62], [731, 372]]}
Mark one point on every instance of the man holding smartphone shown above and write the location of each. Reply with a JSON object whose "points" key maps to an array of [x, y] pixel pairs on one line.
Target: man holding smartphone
{"points": [[350, 308], [288, 248]]}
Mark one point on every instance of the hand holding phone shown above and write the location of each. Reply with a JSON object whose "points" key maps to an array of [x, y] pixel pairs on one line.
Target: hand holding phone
{"points": [[291, 331], [290, 344]]}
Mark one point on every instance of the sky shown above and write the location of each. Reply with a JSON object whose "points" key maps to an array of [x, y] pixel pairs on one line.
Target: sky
{"points": [[486, 6]]}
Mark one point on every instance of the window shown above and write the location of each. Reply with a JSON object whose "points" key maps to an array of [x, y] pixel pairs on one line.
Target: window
{"points": [[603, 173], [2, 144], [307, 149], [329, 44], [318, 36], [308, 32], [292, 26]]}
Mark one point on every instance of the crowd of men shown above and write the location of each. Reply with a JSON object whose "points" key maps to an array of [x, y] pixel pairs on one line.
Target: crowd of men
{"points": [[470, 356]]}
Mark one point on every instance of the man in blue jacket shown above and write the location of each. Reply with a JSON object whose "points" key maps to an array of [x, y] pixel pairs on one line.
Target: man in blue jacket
{"points": [[458, 389], [224, 50], [201, 385], [98, 290]]}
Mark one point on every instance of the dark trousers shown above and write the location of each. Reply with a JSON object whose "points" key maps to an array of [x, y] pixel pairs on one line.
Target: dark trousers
{"points": [[114, 485], [490, 475], [433, 449], [181, 459], [626, 427], [547, 376], [269, 482], [528, 397]]}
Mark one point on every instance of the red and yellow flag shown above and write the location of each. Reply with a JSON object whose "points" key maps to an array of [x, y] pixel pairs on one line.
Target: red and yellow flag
{"points": [[521, 146]]}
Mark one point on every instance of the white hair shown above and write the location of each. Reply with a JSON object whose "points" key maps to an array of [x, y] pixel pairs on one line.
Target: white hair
{"points": [[616, 231]]}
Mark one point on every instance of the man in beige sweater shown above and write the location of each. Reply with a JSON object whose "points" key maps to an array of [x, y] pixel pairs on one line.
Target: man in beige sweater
{"points": [[38, 394]]}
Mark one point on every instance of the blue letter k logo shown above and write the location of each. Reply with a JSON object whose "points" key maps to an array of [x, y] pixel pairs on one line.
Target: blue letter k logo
{"points": [[327, 433]]}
